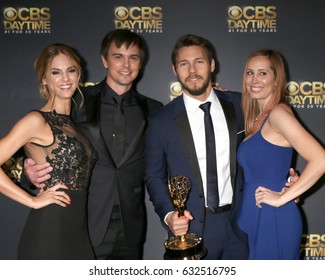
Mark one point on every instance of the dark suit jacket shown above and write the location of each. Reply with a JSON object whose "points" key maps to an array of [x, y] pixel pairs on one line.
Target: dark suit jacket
{"points": [[107, 178], [170, 150]]}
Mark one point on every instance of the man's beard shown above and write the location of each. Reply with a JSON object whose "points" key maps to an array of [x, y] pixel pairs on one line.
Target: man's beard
{"points": [[195, 91]]}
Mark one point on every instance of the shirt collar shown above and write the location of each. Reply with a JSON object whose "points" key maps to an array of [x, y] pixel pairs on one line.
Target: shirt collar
{"points": [[192, 104], [109, 93]]}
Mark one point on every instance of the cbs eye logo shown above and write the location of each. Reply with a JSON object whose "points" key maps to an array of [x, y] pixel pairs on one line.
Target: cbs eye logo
{"points": [[121, 13], [176, 89], [292, 88], [10, 14], [235, 12]]}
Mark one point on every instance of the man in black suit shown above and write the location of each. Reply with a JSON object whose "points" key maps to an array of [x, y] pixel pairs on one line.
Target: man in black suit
{"points": [[116, 208]]}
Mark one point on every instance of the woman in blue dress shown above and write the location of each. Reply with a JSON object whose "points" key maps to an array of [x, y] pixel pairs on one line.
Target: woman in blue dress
{"points": [[269, 215]]}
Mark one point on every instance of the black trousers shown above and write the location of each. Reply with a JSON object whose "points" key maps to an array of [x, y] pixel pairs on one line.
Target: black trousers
{"points": [[114, 246]]}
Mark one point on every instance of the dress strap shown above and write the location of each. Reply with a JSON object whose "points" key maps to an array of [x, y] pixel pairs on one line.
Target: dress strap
{"points": [[264, 120]]}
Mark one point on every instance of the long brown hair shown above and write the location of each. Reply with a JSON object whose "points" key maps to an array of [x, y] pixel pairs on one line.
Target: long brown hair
{"points": [[253, 117]]}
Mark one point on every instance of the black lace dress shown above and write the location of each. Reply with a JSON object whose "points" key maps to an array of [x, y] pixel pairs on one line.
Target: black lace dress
{"points": [[56, 232]]}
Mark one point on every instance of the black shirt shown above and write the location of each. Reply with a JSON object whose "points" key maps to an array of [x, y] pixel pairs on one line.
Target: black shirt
{"points": [[134, 117]]}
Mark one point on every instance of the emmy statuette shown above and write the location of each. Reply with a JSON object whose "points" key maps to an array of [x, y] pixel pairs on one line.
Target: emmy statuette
{"points": [[189, 246]]}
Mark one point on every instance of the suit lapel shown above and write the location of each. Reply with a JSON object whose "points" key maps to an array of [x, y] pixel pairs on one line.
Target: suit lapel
{"points": [[93, 109], [186, 138], [134, 144], [230, 116]]}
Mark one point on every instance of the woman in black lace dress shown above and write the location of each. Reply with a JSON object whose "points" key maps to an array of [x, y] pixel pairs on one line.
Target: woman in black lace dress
{"points": [[48, 135]]}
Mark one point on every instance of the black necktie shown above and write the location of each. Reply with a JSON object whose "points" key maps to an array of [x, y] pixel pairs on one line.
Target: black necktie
{"points": [[119, 135], [211, 160]]}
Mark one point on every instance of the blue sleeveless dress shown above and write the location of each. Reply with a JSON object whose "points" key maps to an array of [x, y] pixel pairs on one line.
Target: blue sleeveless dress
{"points": [[273, 233]]}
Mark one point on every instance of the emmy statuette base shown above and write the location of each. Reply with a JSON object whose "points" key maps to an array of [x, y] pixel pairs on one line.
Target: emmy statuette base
{"points": [[189, 248]]}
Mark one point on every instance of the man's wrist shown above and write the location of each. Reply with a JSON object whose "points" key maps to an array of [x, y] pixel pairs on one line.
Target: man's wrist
{"points": [[166, 216]]}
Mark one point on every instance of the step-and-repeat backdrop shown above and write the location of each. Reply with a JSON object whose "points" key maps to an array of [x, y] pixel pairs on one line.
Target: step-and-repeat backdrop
{"points": [[236, 28]]}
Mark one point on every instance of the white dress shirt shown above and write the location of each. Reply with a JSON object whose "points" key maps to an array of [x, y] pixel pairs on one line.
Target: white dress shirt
{"points": [[196, 119]]}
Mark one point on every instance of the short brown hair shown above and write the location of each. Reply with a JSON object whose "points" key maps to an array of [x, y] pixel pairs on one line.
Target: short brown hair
{"points": [[122, 37]]}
